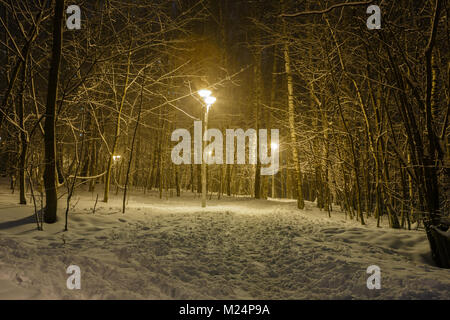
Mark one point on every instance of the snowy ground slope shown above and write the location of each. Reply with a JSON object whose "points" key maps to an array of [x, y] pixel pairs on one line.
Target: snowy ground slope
{"points": [[235, 249]]}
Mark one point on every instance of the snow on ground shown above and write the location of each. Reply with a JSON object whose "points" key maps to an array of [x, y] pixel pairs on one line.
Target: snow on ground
{"points": [[236, 248]]}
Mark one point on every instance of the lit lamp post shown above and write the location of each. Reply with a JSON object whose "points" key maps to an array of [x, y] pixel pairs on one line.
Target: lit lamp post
{"points": [[274, 147], [208, 174], [209, 101]]}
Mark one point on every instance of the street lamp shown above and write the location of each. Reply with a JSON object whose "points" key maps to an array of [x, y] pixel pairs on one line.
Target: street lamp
{"points": [[209, 101], [204, 93], [274, 146]]}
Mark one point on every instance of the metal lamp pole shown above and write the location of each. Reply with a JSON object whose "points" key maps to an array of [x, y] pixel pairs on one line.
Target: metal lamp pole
{"points": [[205, 128], [209, 101]]}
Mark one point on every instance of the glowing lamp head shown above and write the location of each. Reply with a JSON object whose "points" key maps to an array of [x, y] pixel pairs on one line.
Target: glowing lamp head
{"points": [[204, 93], [274, 146], [210, 100]]}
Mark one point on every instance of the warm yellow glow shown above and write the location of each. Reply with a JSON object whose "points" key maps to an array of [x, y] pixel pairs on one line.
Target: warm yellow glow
{"points": [[210, 100], [204, 93], [274, 146]]}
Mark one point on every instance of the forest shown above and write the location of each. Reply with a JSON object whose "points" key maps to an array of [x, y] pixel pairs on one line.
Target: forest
{"points": [[363, 114]]}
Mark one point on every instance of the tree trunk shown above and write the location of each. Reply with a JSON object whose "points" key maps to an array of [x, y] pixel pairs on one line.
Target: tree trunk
{"points": [[291, 115], [50, 176], [132, 147], [258, 85], [23, 137], [117, 131]]}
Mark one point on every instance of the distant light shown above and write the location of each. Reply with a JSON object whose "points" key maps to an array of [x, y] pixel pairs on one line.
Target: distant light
{"points": [[204, 93], [274, 146], [116, 158], [210, 100]]}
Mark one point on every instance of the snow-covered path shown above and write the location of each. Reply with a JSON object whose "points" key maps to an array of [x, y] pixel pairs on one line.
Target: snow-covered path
{"points": [[237, 248]]}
